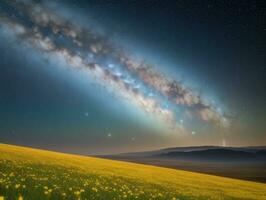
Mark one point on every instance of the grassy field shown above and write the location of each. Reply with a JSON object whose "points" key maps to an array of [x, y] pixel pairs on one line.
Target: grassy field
{"points": [[31, 174]]}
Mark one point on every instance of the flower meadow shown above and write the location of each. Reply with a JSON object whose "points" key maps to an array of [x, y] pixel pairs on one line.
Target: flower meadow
{"points": [[35, 174]]}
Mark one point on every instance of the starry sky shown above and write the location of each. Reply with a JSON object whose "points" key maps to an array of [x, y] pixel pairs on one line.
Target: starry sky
{"points": [[98, 77]]}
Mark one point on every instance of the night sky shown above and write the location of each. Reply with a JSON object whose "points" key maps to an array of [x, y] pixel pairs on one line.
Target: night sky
{"points": [[95, 77]]}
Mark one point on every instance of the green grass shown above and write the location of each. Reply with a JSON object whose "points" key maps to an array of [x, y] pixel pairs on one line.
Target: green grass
{"points": [[27, 173]]}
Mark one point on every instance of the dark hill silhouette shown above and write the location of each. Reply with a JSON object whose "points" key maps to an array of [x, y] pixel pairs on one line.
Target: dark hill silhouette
{"points": [[220, 154]]}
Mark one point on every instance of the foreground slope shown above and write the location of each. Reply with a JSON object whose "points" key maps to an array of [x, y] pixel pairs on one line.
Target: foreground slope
{"points": [[38, 174]]}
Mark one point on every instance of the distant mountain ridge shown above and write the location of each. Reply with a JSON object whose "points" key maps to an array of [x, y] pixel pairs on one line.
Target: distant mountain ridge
{"points": [[204, 153], [218, 154], [195, 148]]}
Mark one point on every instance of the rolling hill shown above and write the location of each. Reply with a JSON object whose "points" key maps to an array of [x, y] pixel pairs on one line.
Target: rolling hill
{"points": [[215, 160], [27, 173]]}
